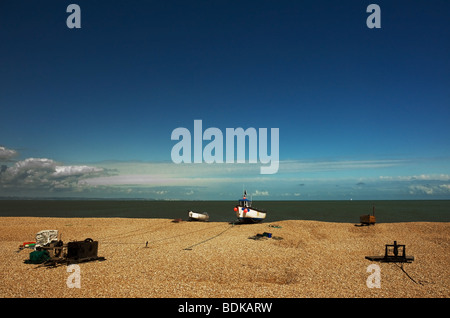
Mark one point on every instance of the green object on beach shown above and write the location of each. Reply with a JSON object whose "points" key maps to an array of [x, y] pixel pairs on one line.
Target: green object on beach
{"points": [[275, 226], [38, 257]]}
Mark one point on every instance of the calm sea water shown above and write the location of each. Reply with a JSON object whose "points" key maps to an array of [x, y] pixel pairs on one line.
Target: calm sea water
{"points": [[219, 211]]}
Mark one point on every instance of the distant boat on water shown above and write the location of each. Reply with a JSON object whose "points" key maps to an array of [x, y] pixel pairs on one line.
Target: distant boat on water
{"points": [[246, 213]]}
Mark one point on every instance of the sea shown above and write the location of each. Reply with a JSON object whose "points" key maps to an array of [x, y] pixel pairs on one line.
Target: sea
{"points": [[386, 211]]}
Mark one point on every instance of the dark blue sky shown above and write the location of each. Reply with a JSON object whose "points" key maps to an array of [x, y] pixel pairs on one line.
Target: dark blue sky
{"points": [[136, 70]]}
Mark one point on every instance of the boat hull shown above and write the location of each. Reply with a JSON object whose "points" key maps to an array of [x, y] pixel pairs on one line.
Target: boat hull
{"points": [[249, 215]]}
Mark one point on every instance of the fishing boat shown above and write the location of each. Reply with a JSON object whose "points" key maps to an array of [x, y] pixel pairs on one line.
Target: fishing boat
{"points": [[246, 213], [195, 216]]}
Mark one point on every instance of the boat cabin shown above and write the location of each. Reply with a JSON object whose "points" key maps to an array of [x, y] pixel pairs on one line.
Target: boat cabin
{"points": [[245, 203]]}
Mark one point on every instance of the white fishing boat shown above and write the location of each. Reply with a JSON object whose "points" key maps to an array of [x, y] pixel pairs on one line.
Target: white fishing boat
{"points": [[246, 213], [195, 216]]}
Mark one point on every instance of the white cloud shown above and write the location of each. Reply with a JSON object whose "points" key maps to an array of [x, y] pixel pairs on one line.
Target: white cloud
{"points": [[64, 171], [428, 189], [260, 193], [44, 174], [7, 154], [415, 189], [320, 166], [29, 169], [421, 177]]}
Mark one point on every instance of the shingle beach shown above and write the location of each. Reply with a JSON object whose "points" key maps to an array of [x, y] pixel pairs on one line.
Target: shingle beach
{"points": [[218, 259]]}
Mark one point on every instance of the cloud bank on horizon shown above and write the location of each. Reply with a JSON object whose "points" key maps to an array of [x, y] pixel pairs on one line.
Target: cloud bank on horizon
{"points": [[40, 176], [296, 180]]}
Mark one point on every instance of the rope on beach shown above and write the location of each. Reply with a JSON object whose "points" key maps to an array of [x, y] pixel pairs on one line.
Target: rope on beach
{"points": [[409, 276], [144, 230], [208, 239], [154, 241]]}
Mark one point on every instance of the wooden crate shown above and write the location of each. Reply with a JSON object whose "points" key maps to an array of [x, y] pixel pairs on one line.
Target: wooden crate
{"points": [[367, 219]]}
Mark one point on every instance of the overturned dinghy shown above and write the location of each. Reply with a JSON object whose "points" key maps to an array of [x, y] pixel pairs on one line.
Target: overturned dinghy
{"points": [[195, 216]]}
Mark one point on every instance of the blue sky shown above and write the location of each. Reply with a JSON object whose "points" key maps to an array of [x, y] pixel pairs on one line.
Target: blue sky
{"points": [[362, 113]]}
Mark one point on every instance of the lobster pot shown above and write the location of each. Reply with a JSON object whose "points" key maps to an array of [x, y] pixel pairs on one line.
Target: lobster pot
{"points": [[82, 250]]}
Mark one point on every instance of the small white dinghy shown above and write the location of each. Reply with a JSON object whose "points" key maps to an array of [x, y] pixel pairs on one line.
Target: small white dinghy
{"points": [[194, 216]]}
